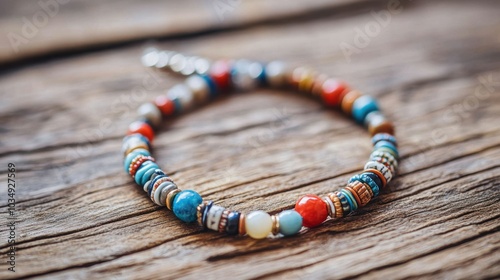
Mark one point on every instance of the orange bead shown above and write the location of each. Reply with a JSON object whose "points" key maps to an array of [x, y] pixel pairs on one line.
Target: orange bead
{"points": [[166, 106], [142, 128], [312, 209], [333, 91], [348, 100]]}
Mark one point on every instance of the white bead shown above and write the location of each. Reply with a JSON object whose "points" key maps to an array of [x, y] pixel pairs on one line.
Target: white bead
{"points": [[380, 167], [276, 73], [244, 75], [177, 62], [183, 94], [150, 57], [151, 113], [258, 224], [213, 217], [198, 87]]}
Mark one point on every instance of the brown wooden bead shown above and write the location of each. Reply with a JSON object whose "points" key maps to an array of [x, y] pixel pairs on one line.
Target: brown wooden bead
{"points": [[379, 124], [361, 191], [354, 194], [241, 229], [348, 100], [339, 212]]}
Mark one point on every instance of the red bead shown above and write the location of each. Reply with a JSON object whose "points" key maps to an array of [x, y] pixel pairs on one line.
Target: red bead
{"points": [[142, 128], [333, 91], [312, 209], [166, 106], [220, 72]]}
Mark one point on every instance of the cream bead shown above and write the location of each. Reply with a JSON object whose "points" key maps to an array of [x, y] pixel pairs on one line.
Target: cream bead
{"points": [[150, 112], [258, 224], [183, 94], [199, 87], [276, 73]]}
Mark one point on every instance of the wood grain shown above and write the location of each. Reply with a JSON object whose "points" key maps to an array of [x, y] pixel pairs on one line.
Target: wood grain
{"points": [[81, 217]]}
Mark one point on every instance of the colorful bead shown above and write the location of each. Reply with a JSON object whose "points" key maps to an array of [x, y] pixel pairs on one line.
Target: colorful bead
{"points": [[199, 87], [380, 167], [388, 146], [348, 101], [362, 192], [133, 142], [276, 72], [169, 198], [204, 216], [374, 185], [353, 206], [242, 229], [384, 136], [232, 225], [339, 212], [142, 128], [379, 175], [245, 75], [223, 220], [312, 209], [128, 159], [150, 112], [184, 205], [378, 123], [145, 167], [165, 104], [147, 175], [213, 217], [333, 91], [329, 206], [317, 87], [220, 73], [362, 106], [346, 207], [137, 162], [164, 197], [258, 224], [290, 222], [182, 97]]}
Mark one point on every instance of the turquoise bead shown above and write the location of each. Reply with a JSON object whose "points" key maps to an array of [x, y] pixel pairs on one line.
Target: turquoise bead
{"points": [[147, 175], [128, 159], [184, 205], [388, 145], [146, 166], [350, 200], [362, 107], [290, 222]]}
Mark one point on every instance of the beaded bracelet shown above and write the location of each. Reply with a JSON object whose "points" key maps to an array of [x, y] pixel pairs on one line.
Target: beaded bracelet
{"points": [[205, 82]]}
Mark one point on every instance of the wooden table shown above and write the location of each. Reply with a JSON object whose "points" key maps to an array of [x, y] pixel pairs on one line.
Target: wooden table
{"points": [[70, 90]]}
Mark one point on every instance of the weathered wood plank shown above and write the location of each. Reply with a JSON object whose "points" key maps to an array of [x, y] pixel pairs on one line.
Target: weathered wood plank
{"points": [[81, 217]]}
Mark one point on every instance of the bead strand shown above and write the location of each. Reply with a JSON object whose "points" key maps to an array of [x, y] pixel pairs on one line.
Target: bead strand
{"points": [[208, 80]]}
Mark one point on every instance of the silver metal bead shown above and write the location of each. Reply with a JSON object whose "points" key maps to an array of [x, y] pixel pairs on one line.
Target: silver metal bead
{"points": [[151, 113]]}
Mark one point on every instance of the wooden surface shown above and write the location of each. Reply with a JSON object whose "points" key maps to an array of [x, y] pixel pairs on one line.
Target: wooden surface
{"points": [[435, 69]]}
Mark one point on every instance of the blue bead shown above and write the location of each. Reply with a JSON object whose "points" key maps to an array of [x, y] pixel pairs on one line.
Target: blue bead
{"points": [[362, 107], [384, 136], [185, 204], [350, 200], [147, 175], [364, 178], [211, 86], [388, 145], [153, 181], [128, 159], [146, 166], [262, 76], [290, 222], [177, 105], [233, 222]]}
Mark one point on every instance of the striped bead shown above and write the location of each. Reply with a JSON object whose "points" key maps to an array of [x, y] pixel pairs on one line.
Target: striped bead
{"points": [[213, 217], [350, 199], [381, 168], [346, 207]]}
